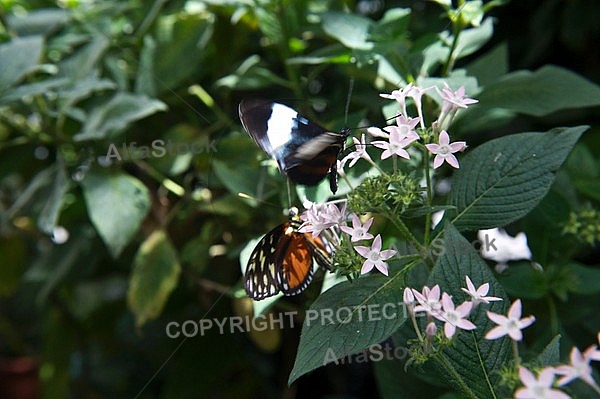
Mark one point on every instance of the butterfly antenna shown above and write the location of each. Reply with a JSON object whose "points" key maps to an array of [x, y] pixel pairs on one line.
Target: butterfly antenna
{"points": [[350, 88], [257, 200]]}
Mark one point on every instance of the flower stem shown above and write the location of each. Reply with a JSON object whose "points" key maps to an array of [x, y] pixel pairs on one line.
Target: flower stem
{"points": [[426, 238], [515, 348]]}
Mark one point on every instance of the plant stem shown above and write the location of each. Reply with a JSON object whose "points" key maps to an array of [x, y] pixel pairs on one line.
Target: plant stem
{"points": [[515, 348]]}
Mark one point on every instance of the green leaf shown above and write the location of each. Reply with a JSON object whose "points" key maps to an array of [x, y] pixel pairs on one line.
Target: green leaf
{"points": [[584, 280], [550, 356], [180, 45], [502, 180], [155, 274], [540, 93], [351, 329], [37, 22], [19, 57], [85, 60], [471, 357], [145, 81], [116, 204], [114, 116], [523, 281], [51, 210], [349, 29], [471, 40], [32, 89], [491, 66]]}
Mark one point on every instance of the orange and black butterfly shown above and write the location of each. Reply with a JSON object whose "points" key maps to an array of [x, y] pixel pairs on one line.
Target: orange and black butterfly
{"points": [[304, 151], [283, 260]]}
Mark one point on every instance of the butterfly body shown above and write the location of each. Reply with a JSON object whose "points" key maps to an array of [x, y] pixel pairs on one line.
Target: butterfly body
{"points": [[283, 260], [305, 151]]}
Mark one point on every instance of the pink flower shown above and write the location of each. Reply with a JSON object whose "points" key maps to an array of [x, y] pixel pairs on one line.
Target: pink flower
{"points": [[511, 325], [408, 298], [358, 231], [538, 388], [359, 152], [592, 352], [444, 150], [455, 99], [430, 330], [452, 317], [374, 256], [416, 93], [479, 295], [377, 132], [404, 126], [316, 219], [579, 367], [429, 300], [396, 144], [400, 96]]}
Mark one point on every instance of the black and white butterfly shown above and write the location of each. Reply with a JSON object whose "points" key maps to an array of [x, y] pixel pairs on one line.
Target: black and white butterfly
{"points": [[283, 260], [304, 151]]}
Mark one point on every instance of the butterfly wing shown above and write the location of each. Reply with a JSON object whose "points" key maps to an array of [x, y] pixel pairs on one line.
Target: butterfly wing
{"points": [[260, 279], [304, 151], [296, 269], [322, 250]]}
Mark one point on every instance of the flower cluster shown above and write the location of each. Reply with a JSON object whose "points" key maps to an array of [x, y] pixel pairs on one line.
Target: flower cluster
{"points": [[440, 306], [396, 138], [544, 386], [394, 193], [318, 218]]}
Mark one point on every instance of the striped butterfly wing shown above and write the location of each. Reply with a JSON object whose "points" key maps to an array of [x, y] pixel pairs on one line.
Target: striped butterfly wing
{"points": [[260, 279], [321, 251], [295, 269]]}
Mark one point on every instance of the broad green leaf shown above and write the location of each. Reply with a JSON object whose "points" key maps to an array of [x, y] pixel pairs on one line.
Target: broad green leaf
{"points": [[505, 178], [17, 58], [155, 274], [51, 210], [471, 40], [492, 65], [81, 89], [180, 45], [522, 280], [350, 329], [37, 22], [85, 60], [350, 29], [42, 180], [114, 116], [32, 89], [584, 280], [116, 205], [540, 93], [550, 356], [471, 357], [145, 81]]}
